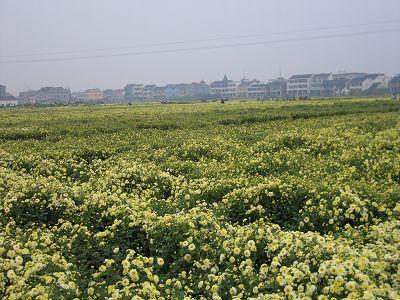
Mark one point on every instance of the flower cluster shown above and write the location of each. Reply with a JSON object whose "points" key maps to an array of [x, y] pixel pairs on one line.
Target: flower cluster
{"points": [[245, 201]]}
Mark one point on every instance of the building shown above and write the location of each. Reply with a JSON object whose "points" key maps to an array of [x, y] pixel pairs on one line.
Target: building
{"points": [[224, 88], [148, 92], [78, 97], [277, 88], [257, 90], [2, 90], [333, 87], [94, 95], [6, 99], [274, 89], [299, 85], [317, 81], [176, 91], [50, 95], [171, 92], [348, 76], [159, 93], [27, 97], [242, 88], [367, 84], [198, 90], [133, 92], [113, 96], [394, 85]]}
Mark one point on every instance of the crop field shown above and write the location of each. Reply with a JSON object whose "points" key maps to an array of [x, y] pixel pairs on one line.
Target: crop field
{"points": [[246, 200]]}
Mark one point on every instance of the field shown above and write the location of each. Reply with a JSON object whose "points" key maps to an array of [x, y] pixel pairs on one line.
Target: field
{"points": [[278, 200]]}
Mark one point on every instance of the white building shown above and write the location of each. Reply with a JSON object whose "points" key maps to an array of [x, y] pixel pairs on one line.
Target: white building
{"points": [[317, 81], [367, 83], [299, 85], [133, 92], [148, 92], [257, 90], [225, 88]]}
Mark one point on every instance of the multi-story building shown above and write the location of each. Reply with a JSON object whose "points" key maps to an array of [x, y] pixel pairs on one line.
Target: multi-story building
{"points": [[368, 83], [52, 95], [299, 85], [148, 92], [94, 95], [176, 91], [274, 89], [243, 85], [7, 99], [277, 88], [2, 90], [78, 96], [333, 87], [198, 90], [113, 96], [348, 76], [394, 85], [172, 91], [224, 88], [27, 97], [133, 92], [159, 93], [257, 90], [317, 81]]}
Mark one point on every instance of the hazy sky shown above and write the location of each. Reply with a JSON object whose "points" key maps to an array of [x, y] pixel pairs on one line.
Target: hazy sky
{"points": [[48, 26]]}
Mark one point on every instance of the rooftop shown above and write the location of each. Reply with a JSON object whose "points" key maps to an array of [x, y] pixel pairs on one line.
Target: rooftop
{"points": [[7, 97], [301, 76], [322, 75], [373, 76], [48, 89]]}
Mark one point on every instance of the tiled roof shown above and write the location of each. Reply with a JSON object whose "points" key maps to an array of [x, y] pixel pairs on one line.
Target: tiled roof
{"points": [[301, 76], [334, 82], [48, 89], [322, 75], [7, 97], [93, 91]]}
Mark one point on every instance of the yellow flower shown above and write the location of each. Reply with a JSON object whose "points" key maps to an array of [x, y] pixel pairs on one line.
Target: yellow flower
{"points": [[247, 253], [134, 275], [11, 275], [90, 291], [125, 282], [160, 261], [281, 281], [351, 286]]}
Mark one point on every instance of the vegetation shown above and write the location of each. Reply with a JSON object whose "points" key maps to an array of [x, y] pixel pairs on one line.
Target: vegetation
{"points": [[278, 200]]}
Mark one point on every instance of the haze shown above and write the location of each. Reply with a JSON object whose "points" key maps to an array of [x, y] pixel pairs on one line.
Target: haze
{"points": [[46, 26]]}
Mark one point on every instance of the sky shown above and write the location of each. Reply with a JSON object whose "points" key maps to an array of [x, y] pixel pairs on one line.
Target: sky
{"points": [[265, 39]]}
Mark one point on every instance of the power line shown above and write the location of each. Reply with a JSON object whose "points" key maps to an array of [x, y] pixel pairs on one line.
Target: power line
{"points": [[206, 40], [330, 36]]}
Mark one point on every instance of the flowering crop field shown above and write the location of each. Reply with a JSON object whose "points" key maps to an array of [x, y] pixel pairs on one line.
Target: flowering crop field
{"points": [[247, 200]]}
